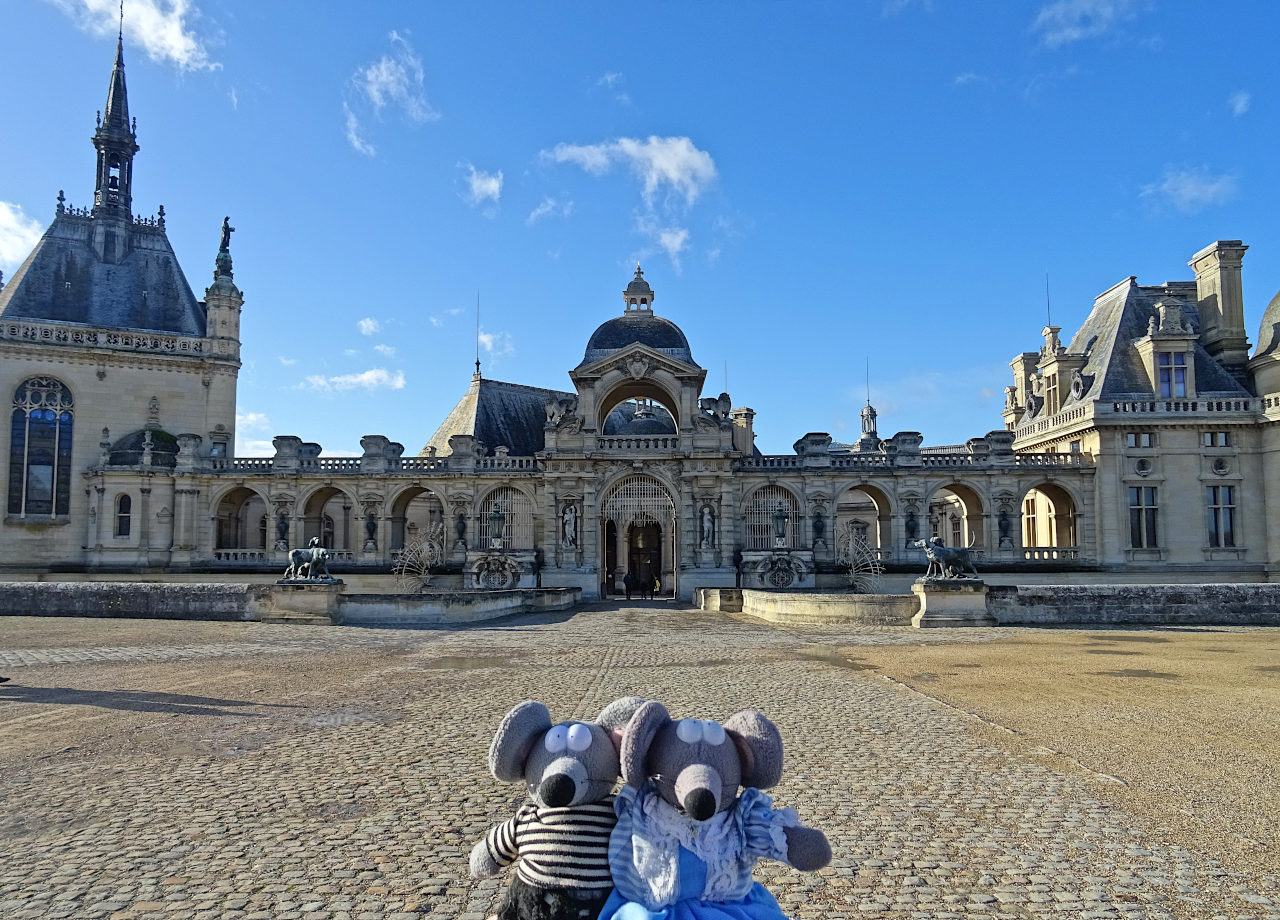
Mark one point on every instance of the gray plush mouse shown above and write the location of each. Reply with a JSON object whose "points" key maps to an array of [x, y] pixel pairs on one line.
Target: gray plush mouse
{"points": [[686, 841], [561, 836]]}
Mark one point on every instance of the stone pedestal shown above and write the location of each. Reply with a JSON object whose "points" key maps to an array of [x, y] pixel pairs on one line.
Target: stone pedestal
{"points": [[303, 601], [951, 602]]}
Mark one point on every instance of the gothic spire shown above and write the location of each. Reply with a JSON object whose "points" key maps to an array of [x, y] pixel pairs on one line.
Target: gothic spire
{"points": [[116, 140]]}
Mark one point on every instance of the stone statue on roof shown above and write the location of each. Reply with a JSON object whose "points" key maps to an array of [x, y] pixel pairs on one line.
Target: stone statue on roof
{"points": [[227, 230]]}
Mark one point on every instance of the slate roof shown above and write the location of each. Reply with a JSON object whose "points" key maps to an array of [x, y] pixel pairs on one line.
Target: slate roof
{"points": [[1114, 369], [64, 281], [637, 327], [498, 414]]}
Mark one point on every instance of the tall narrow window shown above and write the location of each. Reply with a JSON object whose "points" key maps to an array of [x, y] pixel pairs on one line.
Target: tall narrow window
{"points": [[1051, 394], [1222, 515], [1142, 517], [124, 515], [1173, 373], [40, 449]]}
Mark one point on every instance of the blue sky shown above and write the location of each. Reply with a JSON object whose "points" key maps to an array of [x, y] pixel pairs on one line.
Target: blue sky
{"points": [[809, 186]]}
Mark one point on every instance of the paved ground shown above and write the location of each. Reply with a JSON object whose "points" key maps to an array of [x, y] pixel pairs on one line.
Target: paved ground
{"points": [[170, 770]]}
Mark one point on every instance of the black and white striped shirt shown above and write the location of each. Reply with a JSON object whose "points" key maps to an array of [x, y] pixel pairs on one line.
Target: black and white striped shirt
{"points": [[557, 847]]}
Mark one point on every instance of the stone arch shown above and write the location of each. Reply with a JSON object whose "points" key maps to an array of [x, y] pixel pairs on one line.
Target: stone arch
{"points": [[955, 512], [638, 529], [1049, 519], [758, 510], [516, 507], [335, 504], [865, 511], [646, 388], [237, 515], [415, 510]]}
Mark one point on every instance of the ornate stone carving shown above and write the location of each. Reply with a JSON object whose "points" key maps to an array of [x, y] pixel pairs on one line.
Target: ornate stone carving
{"points": [[637, 367], [495, 572]]}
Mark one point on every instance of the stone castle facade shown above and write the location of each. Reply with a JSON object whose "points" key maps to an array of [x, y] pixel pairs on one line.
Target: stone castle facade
{"points": [[1142, 450]]}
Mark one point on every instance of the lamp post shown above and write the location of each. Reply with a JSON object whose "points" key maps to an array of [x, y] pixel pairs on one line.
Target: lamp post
{"points": [[780, 517]]}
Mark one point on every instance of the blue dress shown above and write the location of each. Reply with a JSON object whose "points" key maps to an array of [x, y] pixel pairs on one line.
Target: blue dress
{"points": [[652, 834]]}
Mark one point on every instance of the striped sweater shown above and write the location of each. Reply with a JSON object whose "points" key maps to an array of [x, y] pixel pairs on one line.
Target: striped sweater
{"points": [[557, 847]]}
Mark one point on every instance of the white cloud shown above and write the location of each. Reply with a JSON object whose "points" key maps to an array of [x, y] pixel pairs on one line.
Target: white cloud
{"points": [[1191, 190], [659, 162], [482, 186], [368, 325], [252, 421], [496, 344], [969, 77], [395, 81], [1065, 21], [18, 235], [162, 27], [673, 240], [355, 134], [435, 321], [375, 378], [609, 79], [287, 362], [894, 7], [235, 100], [1239, 102], [254, 448], [550, 207], [387, 350]]}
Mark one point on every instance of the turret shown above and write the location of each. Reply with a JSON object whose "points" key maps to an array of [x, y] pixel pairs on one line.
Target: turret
{"points": [[116, 141]]}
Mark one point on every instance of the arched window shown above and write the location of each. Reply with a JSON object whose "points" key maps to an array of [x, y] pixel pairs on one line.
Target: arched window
{"points": [[772, 507], [124, 515], [514, 514], [326, 532], [40, 449]]}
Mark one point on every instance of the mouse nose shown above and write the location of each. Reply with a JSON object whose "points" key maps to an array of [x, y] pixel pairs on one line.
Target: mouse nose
{"points": [[700, 804], [557, 790]]}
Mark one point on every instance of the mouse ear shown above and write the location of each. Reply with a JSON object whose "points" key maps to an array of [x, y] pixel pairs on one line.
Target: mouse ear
{"points": [[519, 731], [759, 745], [617, 714], [637, 738]]}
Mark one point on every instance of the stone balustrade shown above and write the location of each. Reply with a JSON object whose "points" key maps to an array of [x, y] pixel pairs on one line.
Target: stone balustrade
{"points": [[58, 334], [622, 442]]}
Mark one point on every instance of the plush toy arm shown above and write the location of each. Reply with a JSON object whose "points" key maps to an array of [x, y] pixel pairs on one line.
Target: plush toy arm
{"points": [[497, 849], [483, 865], [807, 848]]}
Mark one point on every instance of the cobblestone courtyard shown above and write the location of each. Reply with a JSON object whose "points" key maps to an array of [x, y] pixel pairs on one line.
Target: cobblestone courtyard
{"points": [[172, 770]]}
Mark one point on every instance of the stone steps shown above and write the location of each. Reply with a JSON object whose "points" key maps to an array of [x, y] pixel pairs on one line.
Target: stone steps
{"points": [[296, 619]]}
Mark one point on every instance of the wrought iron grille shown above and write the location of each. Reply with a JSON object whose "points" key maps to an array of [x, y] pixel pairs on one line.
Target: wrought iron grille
{"points": [[638, 499], [760, 513], [517, 518]]}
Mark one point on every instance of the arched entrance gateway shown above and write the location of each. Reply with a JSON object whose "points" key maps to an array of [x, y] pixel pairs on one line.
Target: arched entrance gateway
{"points": [[638, 530]]}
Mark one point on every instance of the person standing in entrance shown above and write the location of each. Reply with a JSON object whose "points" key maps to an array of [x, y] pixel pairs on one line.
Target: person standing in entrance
{"points": [[628, 582]]}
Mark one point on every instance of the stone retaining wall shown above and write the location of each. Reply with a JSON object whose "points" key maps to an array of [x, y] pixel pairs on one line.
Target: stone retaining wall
{"points": [[1136, 605], [197, 601], [250, 602], [806, 608], [450, 607]]}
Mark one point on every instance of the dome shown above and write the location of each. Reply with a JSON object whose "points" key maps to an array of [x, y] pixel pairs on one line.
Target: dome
{"points": [[638, 285], [631, 420], [638, 328]]}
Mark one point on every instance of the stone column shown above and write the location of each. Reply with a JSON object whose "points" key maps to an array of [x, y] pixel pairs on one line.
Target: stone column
{"points": [[144, 522], [621, 555]]}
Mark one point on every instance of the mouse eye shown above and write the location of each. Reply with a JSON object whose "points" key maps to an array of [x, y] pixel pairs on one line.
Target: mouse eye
{"points": [[712, 733], [689, 731], [556, 739], [579, 737]]}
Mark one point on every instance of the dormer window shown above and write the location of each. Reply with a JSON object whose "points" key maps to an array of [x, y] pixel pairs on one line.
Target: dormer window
{"points": [[1172, 367]]}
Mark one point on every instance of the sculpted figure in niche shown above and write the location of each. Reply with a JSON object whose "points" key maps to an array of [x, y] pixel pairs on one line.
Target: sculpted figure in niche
{"points": [[570, 519], [708, 527], [1006, 528], [912, 526]]}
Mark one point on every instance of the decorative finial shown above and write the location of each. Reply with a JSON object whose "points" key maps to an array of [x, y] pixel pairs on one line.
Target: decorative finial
{"points": [[97, 118], [639, 272], [134, 127], [120, 37], [1, 280], [160, 217], [62, 202]]}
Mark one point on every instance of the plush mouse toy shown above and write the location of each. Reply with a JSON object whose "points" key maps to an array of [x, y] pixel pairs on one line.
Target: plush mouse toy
{"points": [[686, 841], [561, 837]]}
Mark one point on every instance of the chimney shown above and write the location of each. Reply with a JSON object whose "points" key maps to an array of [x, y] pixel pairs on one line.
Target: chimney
{"points": [[1221, 303]]}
